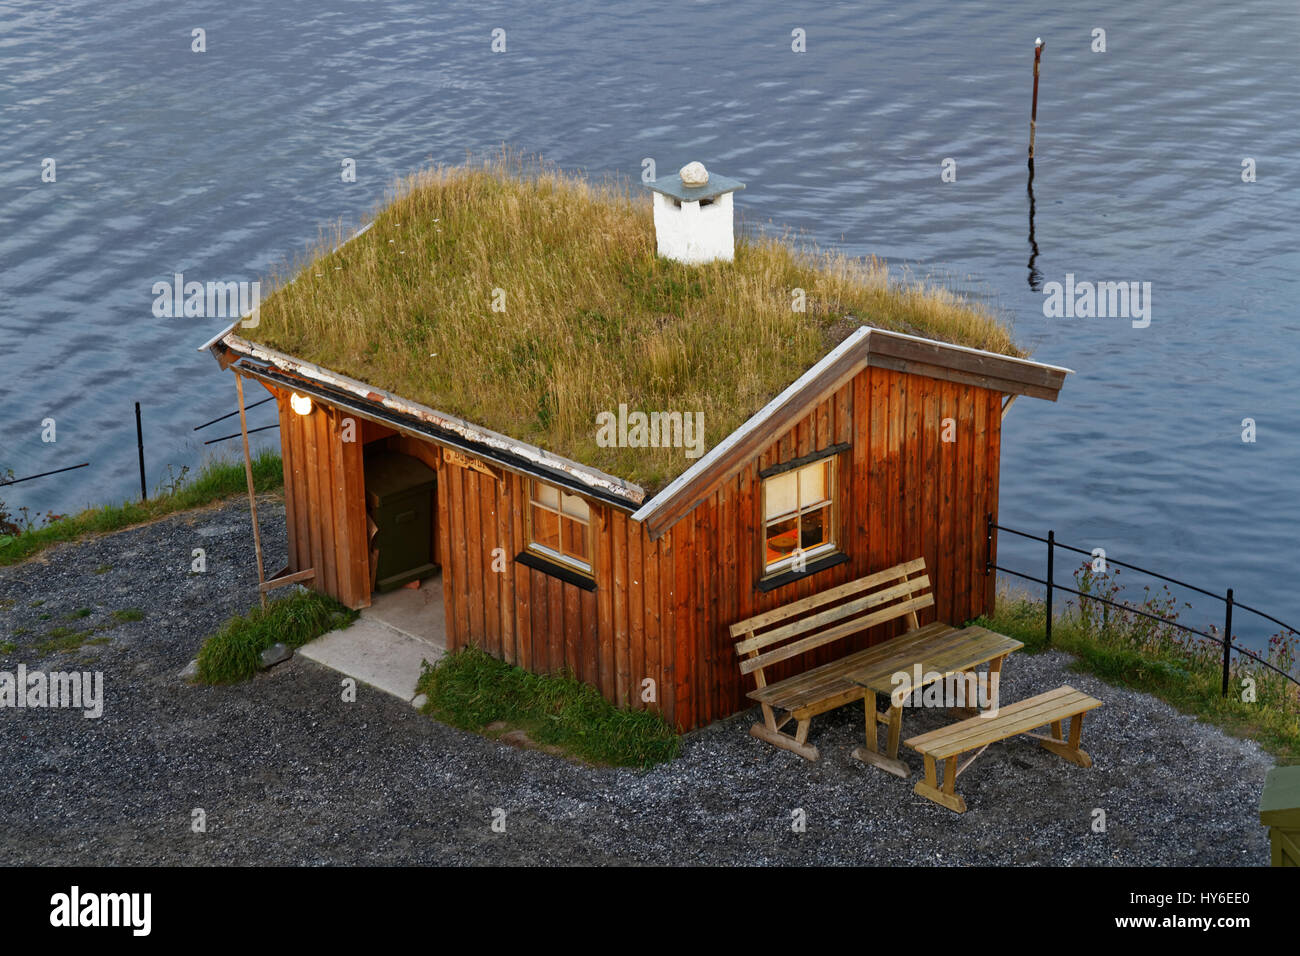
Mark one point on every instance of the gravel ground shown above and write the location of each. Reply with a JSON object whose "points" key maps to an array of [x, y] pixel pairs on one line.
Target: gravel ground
{"points": [[287, 773]]}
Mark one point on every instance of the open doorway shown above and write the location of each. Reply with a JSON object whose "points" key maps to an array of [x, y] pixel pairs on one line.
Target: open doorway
{"points": [[401, 491]]}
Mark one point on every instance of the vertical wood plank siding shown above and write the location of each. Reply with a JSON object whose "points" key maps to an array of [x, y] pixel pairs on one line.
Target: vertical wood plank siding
{"points": [[325, 509], [661, 609]]}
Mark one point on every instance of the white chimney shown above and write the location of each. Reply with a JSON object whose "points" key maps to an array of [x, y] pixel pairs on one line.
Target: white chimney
{"points": [[693, 216]]}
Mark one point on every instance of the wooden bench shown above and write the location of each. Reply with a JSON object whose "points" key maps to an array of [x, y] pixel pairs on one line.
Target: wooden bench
{"points": [[795, 629], [976, 733]]}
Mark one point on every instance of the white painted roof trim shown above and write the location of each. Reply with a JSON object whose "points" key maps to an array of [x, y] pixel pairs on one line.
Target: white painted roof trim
{"points": [[207, 346], [720, 449]]}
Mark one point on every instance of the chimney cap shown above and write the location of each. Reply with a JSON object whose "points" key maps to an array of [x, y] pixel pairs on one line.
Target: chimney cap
{"points": [[674, 187]]}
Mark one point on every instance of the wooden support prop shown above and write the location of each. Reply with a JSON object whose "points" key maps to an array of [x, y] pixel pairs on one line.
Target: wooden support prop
{"points": [[281, 579], [252, 495], [1006, 406]]}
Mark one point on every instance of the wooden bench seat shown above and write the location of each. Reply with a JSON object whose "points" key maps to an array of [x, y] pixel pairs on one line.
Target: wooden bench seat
{"points": [[793, 630], [977, 733], [830, 680]]}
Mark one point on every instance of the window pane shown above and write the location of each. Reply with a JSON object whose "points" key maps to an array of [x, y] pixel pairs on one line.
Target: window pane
{"points": [[814, 528], [546, 528], [780, 493], [812, 484], [781, 539], [575, 540], [577, 507], [547, 495]]}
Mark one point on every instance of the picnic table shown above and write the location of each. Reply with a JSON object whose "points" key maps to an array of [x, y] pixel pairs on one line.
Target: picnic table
{"points": [[940, 653]]}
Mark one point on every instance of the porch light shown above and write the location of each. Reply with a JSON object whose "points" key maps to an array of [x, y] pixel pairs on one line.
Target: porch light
{"points": [[300, 403]]}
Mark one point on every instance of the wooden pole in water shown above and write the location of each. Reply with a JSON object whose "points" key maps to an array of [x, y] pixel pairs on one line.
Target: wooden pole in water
{"points": [[1033, 112], [252, 501]]}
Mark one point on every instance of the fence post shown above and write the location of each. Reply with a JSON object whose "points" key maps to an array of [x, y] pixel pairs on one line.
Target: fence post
{"points": [[988, 543], [1051, 563], [1227, 640], [139, 444]]}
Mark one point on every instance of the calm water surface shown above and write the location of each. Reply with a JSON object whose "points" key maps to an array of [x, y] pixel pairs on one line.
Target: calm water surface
{"points": [[218, 165]]}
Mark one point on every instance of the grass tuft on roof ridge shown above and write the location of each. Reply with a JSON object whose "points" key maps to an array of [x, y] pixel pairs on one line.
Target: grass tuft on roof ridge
{"points": [[592, 316]]}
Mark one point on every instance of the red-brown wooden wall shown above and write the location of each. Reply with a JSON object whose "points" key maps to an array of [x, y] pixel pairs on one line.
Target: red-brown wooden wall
{"points": [[661, 609]]}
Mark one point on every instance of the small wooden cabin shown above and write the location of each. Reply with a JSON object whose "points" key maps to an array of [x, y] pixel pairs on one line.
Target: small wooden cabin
{"points": [[884, 450]]}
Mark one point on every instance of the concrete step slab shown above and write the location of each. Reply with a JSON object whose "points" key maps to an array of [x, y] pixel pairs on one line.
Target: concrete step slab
{"points": [[375, 654]]}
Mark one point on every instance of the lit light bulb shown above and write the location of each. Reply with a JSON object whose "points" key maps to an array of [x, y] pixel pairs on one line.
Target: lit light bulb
{"points": [[300, 403]]}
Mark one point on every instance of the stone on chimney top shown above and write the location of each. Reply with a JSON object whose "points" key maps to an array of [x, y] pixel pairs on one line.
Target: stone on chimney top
{"points": [[694, 174]]}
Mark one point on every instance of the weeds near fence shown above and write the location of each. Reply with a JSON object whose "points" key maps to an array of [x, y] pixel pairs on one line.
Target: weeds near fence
{"points": [[1130, 650], [11, 528], [215, 481]]}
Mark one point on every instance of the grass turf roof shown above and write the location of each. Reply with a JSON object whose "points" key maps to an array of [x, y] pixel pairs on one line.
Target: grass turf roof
{"points": [[592, 316]]}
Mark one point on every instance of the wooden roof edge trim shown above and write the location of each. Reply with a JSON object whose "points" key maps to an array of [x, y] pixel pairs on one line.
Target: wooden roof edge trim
{"points": [[593, 478], [929, 356], [983, 353], [281, 382], [947, 373], [721, 452]]}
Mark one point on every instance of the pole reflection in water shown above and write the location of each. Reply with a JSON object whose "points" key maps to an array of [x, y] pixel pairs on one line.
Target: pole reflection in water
{"points": [[1035, 277]]}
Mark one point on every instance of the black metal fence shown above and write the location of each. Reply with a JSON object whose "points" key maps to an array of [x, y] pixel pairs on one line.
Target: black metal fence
{"points": [[139, 442], [1049, 583]]}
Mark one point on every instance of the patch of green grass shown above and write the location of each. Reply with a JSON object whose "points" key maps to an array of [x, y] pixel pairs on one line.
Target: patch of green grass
{"points": [[63, 639], [46, 616], [234, 653], [471, 689], [129, 614], [103, 569], [80, 612], [1128, 652], [217, 480], [7, 647], [38, 602]]}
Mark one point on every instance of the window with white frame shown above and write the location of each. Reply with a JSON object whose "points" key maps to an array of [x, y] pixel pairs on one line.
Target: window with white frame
{"points": [[798, 515], [559, 525]]}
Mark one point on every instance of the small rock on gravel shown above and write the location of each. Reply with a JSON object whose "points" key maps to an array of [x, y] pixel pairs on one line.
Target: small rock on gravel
{"points": [[275, 654]]}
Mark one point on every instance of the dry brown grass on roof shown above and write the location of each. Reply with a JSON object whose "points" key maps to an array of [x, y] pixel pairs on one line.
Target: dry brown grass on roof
{"points": [[592, 316]]}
